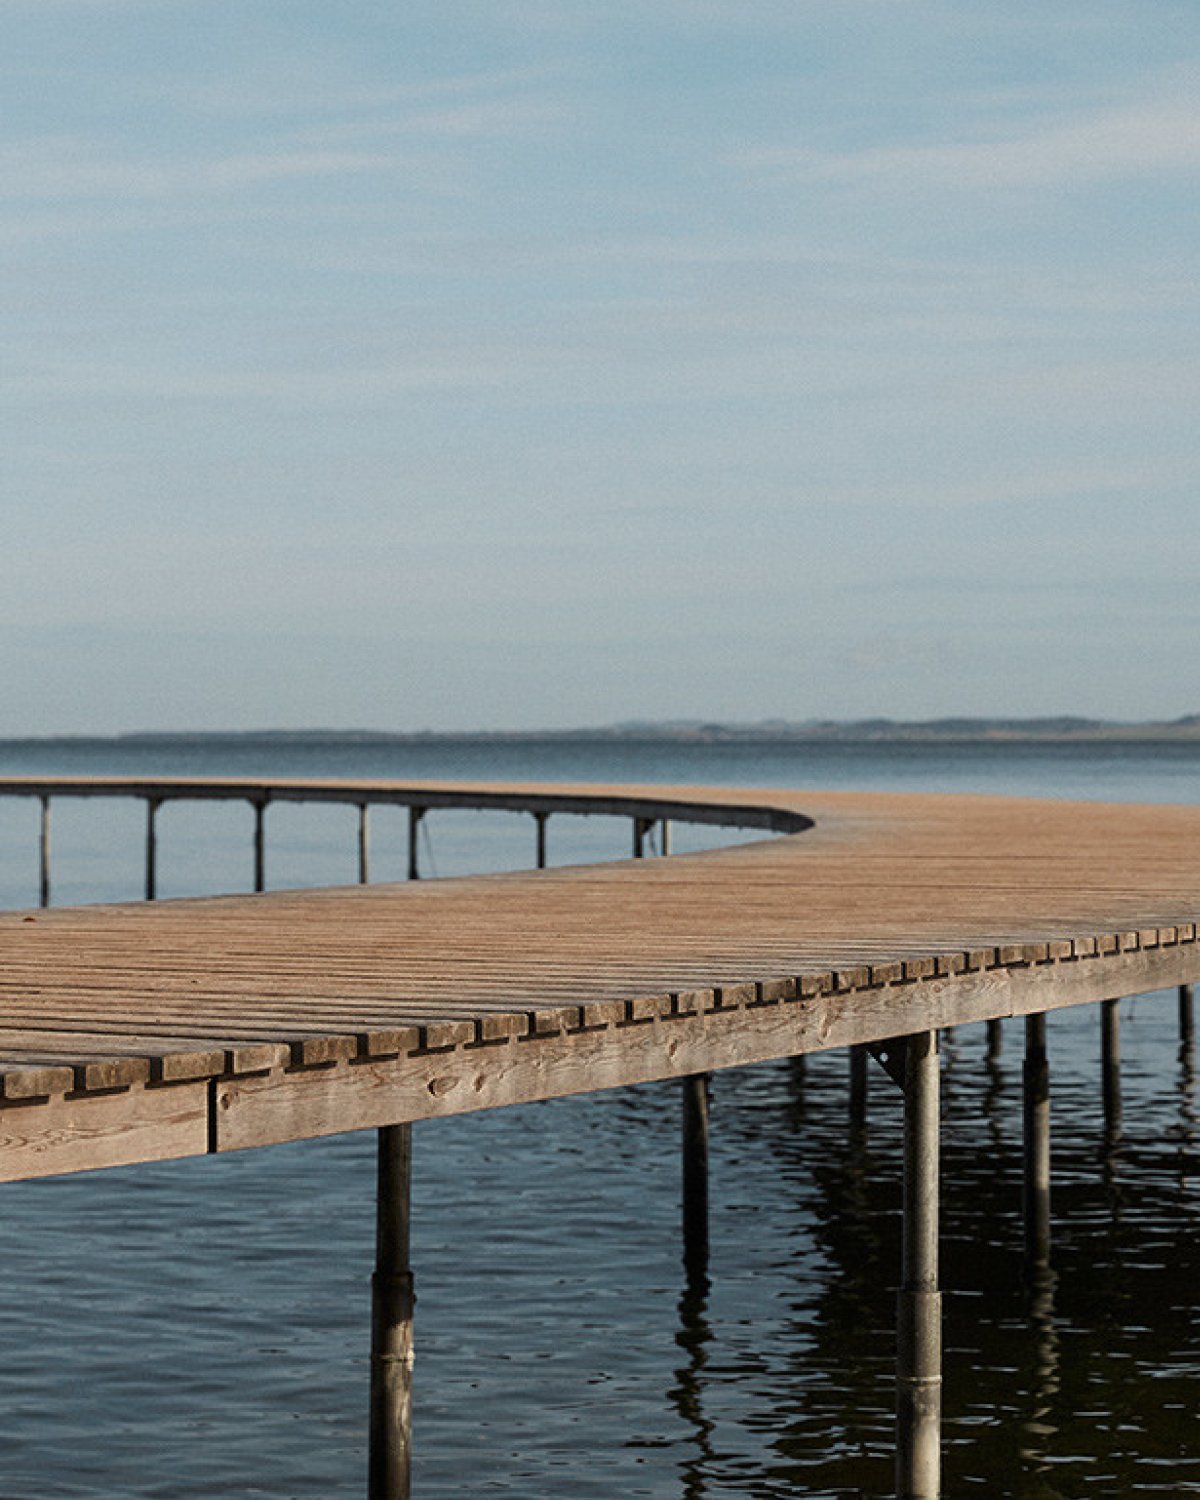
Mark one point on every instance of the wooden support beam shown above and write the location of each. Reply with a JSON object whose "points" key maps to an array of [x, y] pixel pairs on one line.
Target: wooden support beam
{"points": [[1187, 1017], [919, 1309], [695, 1174], [1110, 1040], [540, 819], [260, 845], [152, 806], [364, 845], [641, 826], [664, 831], [1036, 1120], [995, 1040], [392, 1300], [44, 855], [415, 814]]}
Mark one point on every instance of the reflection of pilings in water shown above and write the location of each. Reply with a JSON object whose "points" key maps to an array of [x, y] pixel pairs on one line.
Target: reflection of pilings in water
{"points": [[1037, 1430], [994, 1115], [695, 1333], [1110, 1064], [1036, 1120]]}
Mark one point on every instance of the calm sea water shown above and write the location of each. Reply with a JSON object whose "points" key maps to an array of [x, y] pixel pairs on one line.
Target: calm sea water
{"points": [[199, 1328]]}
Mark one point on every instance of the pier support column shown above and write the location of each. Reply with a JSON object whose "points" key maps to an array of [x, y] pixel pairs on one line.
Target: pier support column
{"points": [[392, 1322], [1187, 1018], [859, 1057], [641, 827], [541, 818], [44, 855], [695, 1174], [1036, 1144], [664, 835], [364, 846], [152, 806], [260, 846], [1110, 1046], [995, 1040], [415, 814], [919, 1304]]}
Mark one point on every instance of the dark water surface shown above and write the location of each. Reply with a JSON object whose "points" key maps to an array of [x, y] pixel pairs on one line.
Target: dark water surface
{"points": [[199, 1328]]}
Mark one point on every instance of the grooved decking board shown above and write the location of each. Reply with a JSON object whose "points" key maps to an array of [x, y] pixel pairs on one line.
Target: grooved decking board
{"points": [[298, 1013]]}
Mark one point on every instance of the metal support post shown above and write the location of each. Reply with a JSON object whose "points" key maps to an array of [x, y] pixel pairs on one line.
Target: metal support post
{"points": [[415, 814], [1110, 1035], [695, 1174], [541, 819], [44, 855], [364, 845], [260, 846], [1036, 1144], [152, 806], [859, 1057], [392, 1302], [919, 1304]]}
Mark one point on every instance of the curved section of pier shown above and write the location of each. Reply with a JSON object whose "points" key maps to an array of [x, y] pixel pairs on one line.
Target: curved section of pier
{"points": [[146, 1030]]}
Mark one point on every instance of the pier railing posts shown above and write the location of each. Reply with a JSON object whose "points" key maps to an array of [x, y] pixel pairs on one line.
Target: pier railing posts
{"points": [[415, 814], [152, 806], [540, 819], [44, 855], [260, 844], [695, 1174], [364, 844], [392, 1302], [919, 1304], [1036, 1119], [1110, 1042]]}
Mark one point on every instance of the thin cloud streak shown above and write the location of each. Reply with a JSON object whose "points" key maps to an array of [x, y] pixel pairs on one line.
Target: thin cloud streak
{"points": [[1156, 138]]}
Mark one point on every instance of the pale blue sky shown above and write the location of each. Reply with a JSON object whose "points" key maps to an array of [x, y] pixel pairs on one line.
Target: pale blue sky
{"points": [[481, 363]]}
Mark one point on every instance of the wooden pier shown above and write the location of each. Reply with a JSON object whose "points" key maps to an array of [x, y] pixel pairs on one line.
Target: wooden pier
{"points": [[159, 1029]]}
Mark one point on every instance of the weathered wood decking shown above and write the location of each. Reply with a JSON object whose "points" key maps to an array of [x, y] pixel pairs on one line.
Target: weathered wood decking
{"points": [[141, 1031]]}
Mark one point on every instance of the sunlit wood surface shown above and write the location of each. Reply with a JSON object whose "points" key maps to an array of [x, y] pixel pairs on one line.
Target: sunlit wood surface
{"points": [[135, 1031]]}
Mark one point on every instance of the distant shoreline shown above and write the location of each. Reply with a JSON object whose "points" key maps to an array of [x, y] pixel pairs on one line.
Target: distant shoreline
{"points": [[1061, 730]]}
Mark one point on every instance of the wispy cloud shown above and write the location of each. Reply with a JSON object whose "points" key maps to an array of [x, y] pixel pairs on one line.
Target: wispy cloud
{"points": [[1156, 135], [70, 167]]}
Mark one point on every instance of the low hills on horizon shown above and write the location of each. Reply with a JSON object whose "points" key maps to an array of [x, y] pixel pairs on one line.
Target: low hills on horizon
{"points": [[958, 729]]}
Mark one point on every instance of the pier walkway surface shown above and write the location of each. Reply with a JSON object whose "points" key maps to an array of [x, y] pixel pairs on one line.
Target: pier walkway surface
{"points": [[147, 1030]]}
